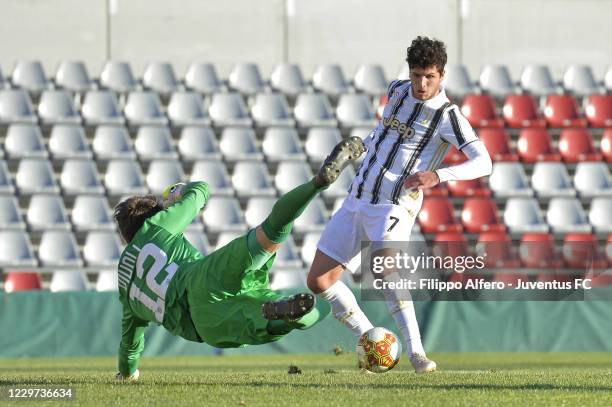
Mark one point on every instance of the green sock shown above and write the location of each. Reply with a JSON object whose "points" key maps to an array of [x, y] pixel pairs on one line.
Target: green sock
{"points": [[280, 327], [277, 225]]}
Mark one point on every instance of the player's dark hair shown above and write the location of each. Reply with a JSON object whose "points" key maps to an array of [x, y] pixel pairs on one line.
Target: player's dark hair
{"points": [[131, 213], [425, 52]]}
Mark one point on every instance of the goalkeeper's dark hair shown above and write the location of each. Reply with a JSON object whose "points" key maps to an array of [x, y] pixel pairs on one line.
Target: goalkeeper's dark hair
{"points": [[425, 52], [131, 213]]}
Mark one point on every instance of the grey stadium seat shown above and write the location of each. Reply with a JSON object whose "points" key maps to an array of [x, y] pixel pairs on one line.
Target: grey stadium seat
{"points": [[223, 214], [523, 215], [101, 107], [600, 214], [124, 177], [3, 81], [197, 143], [288, 79], [313, 219], [144, 107], [198, 240], [496, 80], [246, 79], [228, 109], [579, 80], [118, 76], [251, 178], [509, 179], [91, 212], [257, 210], [291, 174], [10, 216], [271, 109], [238, 143], [16, 249], [30, 75], [203, 78], [68, 141], [59, 249], [112, 142], [313, 109], [153, 142], [370, 79], [320, 141], [24, 141], [68, 280], [73, 76], [80, 176], [16, 107], [566, 215], [538, 80], [160, 77], [102, 249], [57, 106], [6, 186], [163, 173], [593, 179], [287, 256], [551, 179], [282, 143], [35, 175], [187, 108], [107, 281], [215, 174], [330, 79], [47, 211], [355, 110], [288, 279], [457, 80]]}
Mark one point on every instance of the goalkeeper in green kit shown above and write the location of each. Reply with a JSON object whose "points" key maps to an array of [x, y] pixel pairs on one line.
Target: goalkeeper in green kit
{"points": [[224, 298]]}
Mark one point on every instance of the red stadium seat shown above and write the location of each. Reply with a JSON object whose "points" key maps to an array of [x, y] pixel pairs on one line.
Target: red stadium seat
{"points": [[521, 111], [537, 250], [454, 156], [606, 145], [473, 187], [581, 250], [22, 281], [599, 110], [438, 190], [536, 145], [450, 244], [436, 215], [497, 142], [577, 145], [480, 111], [480, 215], [562, 111], [498, 249], [382, 102]]}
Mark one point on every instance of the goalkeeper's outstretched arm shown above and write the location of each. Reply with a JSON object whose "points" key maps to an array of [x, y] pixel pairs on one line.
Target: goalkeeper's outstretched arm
{"points": [[184, 207]]}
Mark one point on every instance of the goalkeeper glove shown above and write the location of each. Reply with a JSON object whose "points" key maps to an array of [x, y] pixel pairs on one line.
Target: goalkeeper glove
{"points": [[172, 194]]}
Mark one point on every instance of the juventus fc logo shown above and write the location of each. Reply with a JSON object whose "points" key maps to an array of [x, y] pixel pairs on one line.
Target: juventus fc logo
{"points": [[402, 128]]}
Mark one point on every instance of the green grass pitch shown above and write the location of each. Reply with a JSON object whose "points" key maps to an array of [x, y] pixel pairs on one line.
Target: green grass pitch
{"points": [[463, 379]]}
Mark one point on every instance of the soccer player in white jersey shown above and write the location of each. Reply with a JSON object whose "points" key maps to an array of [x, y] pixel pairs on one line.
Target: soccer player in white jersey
{"points": [[404, 151]]}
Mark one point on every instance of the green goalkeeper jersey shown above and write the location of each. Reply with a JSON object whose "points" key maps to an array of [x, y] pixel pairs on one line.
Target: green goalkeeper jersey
{"points": [[151, 282]]}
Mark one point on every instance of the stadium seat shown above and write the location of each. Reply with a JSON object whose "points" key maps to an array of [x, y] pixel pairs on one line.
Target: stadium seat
{"points": [[107, 281], [436, 215], [101, 107], [313, 219], [282, 143], [68, 280], [497, 142], [370, 79], [102, 249], [198, 240], [593, 179], [579, 80], [47, 211], [124, 177], [144, 108], [163, 173], [58, 248], [320, 141], [56, 106], [246, 79], [538, 80], [271, 109], [340, 187], [536, 145], [598, 110], [35, 175], [480, 215], [111, 142], [496, 247], [198, 143], [480, 111], [186, 108], [313, 109], [523, 215], [154, 142], [202, 77], [291, 174], [73, 76], [16, 249], [228, 109], [457, 81], [288, 279], [24, 141], [600, 214], [251, 178], [288, 79], [159, 77], [329, 79], [453, 244], [80, 176], [382, 102], [468, 188], [6, 186], [22, 281], [551, 179], [509, 179], [118, 76], [91, 212], [10, 216], [68, 141], [439, 190], [496, 80], [562, 111], [576, 145], [606, 145], [287, 257], [355, 110], [223, 214], [30, 75], [257, 209], [521, 111], [215, 174], [565, 215], [16, 107], [238, 144], [581, 250], [3, 81], [537, 250]]}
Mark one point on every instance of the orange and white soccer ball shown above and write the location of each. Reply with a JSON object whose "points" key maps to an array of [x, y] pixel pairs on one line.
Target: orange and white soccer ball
{"points": [[378, 350]]}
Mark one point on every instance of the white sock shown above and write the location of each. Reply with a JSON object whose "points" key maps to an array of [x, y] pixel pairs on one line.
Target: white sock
{"points": [[403, 313], [345, 308]]}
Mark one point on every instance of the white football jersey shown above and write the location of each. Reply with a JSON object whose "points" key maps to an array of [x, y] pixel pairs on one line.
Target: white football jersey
{"points": [[413, 135]]}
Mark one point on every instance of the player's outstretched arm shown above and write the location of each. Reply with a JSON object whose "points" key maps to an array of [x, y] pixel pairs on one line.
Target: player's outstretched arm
{"points": [[131, 346], [183, 208]]}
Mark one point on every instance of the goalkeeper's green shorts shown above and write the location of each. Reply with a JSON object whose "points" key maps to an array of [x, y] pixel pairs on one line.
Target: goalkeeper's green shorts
{"points": [[226, 290]]}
